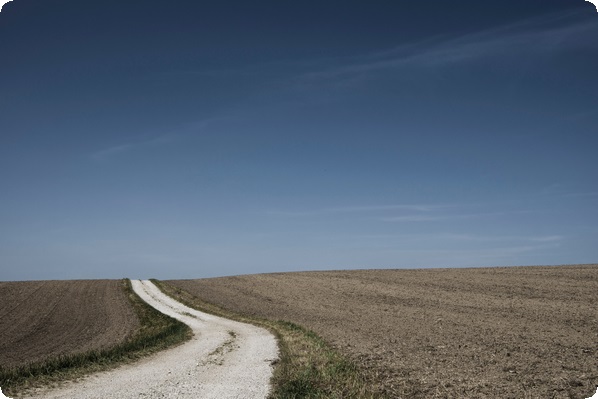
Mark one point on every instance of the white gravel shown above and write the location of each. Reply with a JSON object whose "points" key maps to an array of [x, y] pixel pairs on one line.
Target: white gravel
{"points": [[224, 359]]}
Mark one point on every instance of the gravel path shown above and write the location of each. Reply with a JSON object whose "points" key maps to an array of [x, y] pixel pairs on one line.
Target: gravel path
{"points": [[224, 359]]}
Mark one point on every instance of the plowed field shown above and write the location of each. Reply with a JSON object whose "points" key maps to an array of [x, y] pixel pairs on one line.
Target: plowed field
{"points": [[39, 319], [522, 332]]}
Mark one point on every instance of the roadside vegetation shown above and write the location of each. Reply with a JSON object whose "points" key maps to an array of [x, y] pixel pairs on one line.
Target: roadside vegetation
{"points": [[156, 332], [307, 366], [501, 332]]}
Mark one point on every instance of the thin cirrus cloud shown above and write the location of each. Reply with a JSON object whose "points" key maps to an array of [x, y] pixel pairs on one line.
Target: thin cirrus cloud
{"points": [[442, 217], [110, 152], [171, 137], [481, 238], [545, 34], [373, 208], [148, 143], [446, 237], [358, 209], [511, 39], [581, 195], [122, 149], [423, 218], [416, 212], [450, 249]]}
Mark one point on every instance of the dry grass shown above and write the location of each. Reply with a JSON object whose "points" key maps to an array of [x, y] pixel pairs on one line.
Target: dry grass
{"points": [[41, 319], [439, 333], [156, 332], [307, 367]]}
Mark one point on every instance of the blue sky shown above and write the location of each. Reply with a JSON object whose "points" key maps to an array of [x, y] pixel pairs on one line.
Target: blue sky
{"points": [[187, 140]]}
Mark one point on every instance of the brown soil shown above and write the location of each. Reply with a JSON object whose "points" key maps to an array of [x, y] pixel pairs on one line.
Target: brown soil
{"points": [[39, 319], [521, 332]]}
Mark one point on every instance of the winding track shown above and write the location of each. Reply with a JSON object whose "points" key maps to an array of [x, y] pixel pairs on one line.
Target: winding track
{"points": [[224, 359]]}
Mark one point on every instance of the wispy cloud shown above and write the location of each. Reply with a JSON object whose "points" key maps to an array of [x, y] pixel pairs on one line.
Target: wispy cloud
{"points": [[173, 136], [581, 195], [120, 149], [374, 208], [448, 237], [448, 216], [501, 238], [407, 212], [445, 249], [422, 218], [358, 209], [544, 34]]}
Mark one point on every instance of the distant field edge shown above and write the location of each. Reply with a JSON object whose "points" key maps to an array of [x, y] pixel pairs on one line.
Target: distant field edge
{"points": [[156, 332], [307, 367]]}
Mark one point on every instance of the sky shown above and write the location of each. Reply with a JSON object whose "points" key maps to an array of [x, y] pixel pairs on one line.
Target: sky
{"points": [[192, 139]]}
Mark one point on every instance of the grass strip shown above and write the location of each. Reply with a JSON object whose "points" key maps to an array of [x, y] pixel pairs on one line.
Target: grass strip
{"points": [[307, 367], [157, 331]]}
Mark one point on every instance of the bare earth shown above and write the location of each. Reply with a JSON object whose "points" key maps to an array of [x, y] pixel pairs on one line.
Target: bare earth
{"points": [[224, 359], [47, 318], [524, 332]]}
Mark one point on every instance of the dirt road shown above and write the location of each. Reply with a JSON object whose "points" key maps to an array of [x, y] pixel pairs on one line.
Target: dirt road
{"points": [[224, 359], [521, 332]]}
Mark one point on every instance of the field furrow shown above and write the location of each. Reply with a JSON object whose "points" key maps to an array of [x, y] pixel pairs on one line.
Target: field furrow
{"points": [[522, 332], [45, 319]]}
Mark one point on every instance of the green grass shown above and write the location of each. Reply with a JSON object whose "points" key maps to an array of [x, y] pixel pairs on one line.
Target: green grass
{"points": [[307, 366], [156, 332]]}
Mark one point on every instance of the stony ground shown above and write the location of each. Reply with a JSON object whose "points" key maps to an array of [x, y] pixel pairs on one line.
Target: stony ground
{"points": [[525, 332], [39, 319]]}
